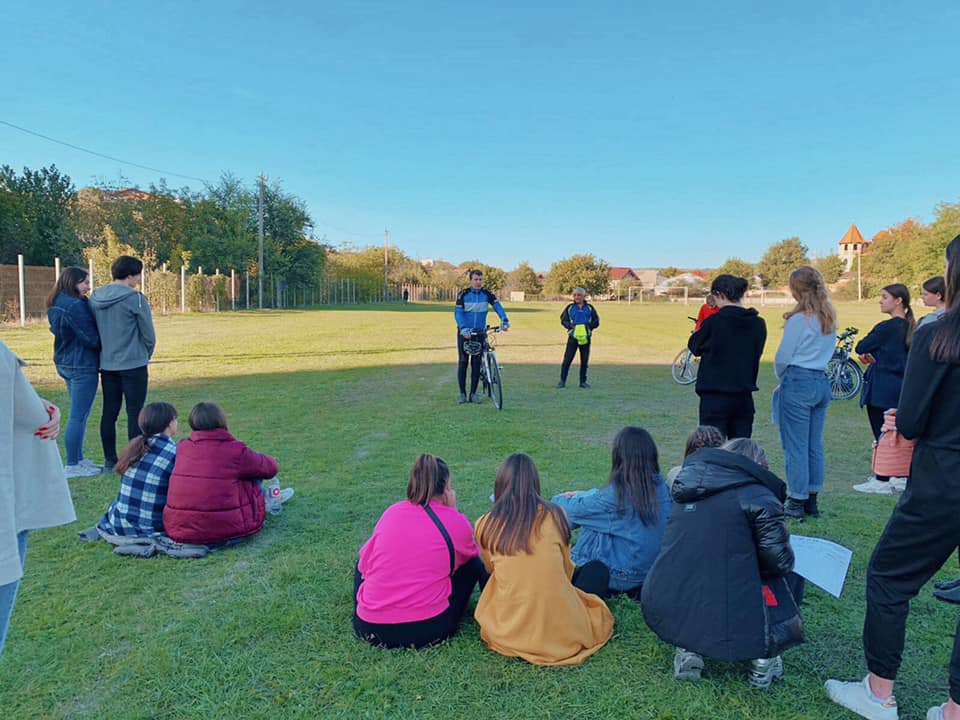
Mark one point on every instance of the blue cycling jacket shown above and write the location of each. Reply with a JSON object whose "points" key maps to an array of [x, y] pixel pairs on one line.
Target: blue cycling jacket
{"points": [[472, 307]]}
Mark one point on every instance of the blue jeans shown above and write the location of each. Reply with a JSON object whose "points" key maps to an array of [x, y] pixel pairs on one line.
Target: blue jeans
{"points": [[804, 399], [82, 387], [8, 592]]}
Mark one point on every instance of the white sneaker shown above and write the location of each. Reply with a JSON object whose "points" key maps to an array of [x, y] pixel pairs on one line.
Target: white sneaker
{"points": [[898, 484], [78, 471], [90, 465], [856, 696], [935, 713], [874, 487], [285, 495]]}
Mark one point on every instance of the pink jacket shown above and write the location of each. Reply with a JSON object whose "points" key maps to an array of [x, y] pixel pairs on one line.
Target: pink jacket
{"points": [[214, 494]]}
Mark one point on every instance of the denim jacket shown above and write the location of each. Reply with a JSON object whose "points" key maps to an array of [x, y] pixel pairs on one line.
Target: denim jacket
{"points": [[76, 344], [621, 542]]}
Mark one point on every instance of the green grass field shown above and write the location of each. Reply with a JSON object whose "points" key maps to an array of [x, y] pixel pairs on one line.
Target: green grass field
{"points": [[345, 398]]}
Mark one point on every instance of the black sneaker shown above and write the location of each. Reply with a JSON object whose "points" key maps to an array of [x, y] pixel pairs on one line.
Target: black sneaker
{"points": [[462, 399], [793, 509], [585, 385], [561, 384]]}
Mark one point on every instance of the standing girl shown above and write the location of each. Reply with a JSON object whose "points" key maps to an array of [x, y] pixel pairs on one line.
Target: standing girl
{"points": [[534, 606], [623, 522], [884, 349], [76, 354], [934, 296], [804, 393]]}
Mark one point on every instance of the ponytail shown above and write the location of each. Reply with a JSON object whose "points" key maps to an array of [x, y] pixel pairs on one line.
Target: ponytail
{"points": [[133, 453]]}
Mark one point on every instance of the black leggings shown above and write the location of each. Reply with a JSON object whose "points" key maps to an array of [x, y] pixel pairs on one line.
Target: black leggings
{"points": [[121, 387], [422, 633], [593, 578]]}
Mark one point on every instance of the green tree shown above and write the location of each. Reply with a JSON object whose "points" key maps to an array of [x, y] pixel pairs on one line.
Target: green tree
{"points": [[524, 278], [670, 271], [887, 257], [584, 270], [107, 249], [36, 216], [780, 260], [494, 278], [737, 267], [830, 266]]}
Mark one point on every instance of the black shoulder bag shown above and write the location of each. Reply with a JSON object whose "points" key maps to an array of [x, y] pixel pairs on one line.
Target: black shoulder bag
{"points": [[443, 531]]}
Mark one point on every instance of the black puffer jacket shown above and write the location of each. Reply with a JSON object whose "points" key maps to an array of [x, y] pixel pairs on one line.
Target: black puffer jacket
{"points": [[726, 540]]}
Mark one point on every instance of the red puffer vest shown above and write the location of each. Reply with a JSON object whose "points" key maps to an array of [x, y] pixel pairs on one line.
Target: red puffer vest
{"points": [[213, 493]]}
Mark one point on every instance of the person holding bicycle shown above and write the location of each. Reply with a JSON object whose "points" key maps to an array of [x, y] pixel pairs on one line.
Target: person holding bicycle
{"points": [[470, 312], [580, 319]]}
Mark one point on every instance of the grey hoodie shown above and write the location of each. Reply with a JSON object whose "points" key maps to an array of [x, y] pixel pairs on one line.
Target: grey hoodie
{"points": [[126, 327]]}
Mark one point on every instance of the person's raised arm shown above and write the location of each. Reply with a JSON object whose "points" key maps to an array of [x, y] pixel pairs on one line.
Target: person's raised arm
{"points": [[700, 340]]}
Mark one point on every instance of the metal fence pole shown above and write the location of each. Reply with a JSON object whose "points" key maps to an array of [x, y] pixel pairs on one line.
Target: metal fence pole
{"points": [[56, 269], [183, 289], [90, 272]]}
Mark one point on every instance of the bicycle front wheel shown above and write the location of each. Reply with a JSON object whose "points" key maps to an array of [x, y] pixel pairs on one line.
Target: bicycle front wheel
{"points": [[684, 368], [846, 379], [495, 389]]}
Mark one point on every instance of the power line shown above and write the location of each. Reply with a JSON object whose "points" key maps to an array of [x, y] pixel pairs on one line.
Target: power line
{"points": [[102, 155]]}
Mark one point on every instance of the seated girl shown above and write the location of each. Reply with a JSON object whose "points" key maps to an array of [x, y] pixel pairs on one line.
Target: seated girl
{"points": [[215, 490], [417, 570], [703, 436], [720, 585], [623, 522], [144, 467], [534, 605]]}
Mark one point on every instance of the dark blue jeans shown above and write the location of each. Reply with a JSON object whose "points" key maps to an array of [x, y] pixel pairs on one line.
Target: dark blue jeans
{"points": [[8, 592], [82, 388]]}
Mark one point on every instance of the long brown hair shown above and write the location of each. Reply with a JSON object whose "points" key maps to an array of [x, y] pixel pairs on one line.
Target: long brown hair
{"points": [[428, 478], [810, 291], [902, 293], [946, 343], [67, 283], [516, 512], [153, 420], [634, 471]]}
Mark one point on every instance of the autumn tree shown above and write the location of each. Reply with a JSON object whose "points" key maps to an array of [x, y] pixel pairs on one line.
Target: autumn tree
{"points": [[524, 278], [830, 266], [737, 267], [494, 278]]}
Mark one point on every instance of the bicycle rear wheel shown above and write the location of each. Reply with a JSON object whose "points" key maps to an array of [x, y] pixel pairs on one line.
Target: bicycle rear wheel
{"points": [[684, 368], [495, 389], [846, 379]]}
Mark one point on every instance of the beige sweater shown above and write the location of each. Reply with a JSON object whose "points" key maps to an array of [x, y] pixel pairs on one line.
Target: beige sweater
{"points": [[33, 491]]}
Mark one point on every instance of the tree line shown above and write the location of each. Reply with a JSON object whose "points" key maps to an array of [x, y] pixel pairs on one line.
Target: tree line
{"points": [[43, 216]]}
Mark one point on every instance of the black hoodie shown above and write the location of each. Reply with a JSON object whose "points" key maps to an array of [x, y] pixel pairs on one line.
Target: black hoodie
{"points": [[729, 344]]}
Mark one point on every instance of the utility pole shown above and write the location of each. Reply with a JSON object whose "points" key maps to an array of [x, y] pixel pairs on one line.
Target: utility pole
{"points": [[859, 264], [260, 253], [386, 266]]}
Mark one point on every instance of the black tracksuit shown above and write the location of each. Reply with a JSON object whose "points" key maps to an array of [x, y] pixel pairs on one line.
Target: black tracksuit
{"points": [[922, 532], [729, 344]]}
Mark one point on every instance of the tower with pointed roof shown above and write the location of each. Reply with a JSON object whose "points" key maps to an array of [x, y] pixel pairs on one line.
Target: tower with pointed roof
{"points": [[851, 245]]}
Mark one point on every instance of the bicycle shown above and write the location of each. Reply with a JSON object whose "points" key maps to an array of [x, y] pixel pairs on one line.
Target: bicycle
{"points": [[685, 365], [491, 382], [843, 372]]}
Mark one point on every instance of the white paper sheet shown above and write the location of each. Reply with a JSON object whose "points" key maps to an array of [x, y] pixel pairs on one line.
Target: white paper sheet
{"points": [[822, 562]]}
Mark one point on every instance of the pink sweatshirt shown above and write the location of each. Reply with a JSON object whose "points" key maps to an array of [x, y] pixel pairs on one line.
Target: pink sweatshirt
{"points": [[405, 564]]}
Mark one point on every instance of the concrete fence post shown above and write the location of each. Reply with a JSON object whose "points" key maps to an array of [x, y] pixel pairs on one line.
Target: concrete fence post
{"points": [[183, 289], [23, 292], [90, 271], [56, 269]]}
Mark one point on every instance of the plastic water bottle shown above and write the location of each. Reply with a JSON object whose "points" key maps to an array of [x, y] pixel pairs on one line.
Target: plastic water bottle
{"points": [[274, 506]]}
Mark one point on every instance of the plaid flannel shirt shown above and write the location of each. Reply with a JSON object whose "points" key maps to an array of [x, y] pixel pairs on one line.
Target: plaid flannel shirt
{"points": [[138, 508]]}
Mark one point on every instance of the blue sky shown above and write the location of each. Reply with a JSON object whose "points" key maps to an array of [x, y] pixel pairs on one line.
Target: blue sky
{"points": [[645, 134]]}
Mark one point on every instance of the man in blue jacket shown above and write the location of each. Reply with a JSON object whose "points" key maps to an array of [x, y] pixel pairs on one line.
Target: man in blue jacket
{"points": [[470, 312], [580, 319]]}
